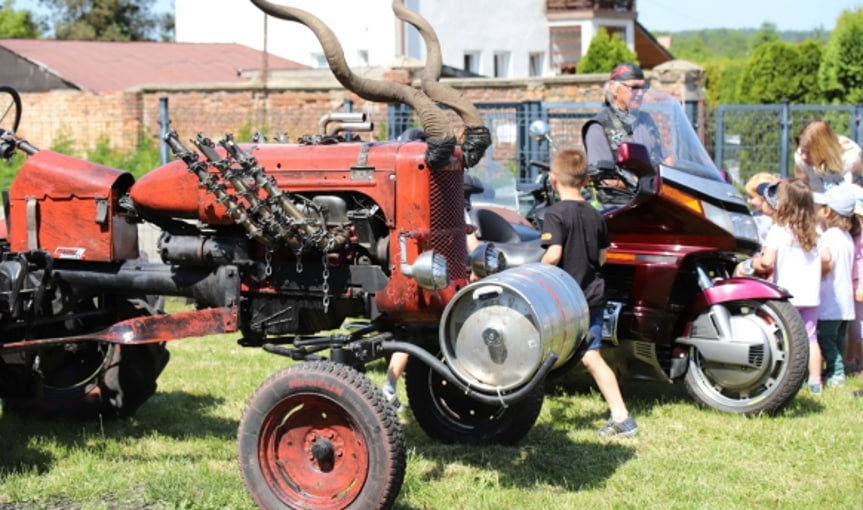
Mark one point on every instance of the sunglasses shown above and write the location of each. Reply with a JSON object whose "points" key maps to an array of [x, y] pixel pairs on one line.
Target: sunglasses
{"points": [[636, 88]]}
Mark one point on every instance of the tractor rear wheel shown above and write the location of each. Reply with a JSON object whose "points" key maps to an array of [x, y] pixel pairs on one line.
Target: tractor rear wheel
{"points": [[90, 379]]}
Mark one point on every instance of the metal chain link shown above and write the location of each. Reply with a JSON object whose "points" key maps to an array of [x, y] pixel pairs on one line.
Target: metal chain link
{"points": [[326, 274], [268, 258]]}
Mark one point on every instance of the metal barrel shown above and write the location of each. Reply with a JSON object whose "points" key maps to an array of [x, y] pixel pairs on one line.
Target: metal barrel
{"points": [[495, 333]]}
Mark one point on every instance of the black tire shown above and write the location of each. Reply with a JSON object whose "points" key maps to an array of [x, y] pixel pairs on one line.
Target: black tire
{"points": [[91, 379], [777, 379], [447, 415], [14, 106], [297, 418]]}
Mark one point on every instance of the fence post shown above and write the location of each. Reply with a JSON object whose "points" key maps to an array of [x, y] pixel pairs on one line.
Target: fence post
{"points": [[164, 122], [784, 125], [719, 147], [856, 117], [527, 148]]}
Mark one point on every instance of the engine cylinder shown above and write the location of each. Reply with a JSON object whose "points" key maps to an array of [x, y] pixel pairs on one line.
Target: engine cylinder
{"points": [[495, 333]]}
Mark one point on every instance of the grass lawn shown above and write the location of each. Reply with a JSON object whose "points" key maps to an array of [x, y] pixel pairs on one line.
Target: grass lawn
{"points": [[179, 450]]}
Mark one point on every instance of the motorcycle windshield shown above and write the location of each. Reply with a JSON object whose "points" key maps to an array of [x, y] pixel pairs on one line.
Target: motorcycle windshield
{"points": [[679, 138], [498, 183]]}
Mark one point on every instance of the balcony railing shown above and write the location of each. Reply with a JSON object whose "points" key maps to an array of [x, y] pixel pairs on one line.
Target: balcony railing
{"points": [[615, 5]]}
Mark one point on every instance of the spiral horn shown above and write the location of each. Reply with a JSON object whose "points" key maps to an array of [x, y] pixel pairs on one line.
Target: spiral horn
{"points": [[440, 139]]}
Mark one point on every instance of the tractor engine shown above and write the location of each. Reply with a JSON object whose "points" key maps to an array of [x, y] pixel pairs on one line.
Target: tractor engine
{"points": [[342, 242]]}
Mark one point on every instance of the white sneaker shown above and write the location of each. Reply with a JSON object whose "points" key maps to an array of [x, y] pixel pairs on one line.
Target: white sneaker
{"points": [[393, 400]]}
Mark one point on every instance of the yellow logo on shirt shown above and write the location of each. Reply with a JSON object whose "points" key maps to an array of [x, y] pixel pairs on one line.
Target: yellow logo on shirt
{"points": [[545, 236]]}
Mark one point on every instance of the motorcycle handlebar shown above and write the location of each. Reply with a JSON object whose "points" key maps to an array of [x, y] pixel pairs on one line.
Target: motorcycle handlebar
{"points": [[540, 164]]}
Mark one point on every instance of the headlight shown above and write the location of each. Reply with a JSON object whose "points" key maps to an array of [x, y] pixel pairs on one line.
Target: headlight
{"points": [[486, 260], [429, 270], [740, 225]]}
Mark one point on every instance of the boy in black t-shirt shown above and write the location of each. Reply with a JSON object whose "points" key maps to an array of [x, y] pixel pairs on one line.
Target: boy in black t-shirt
{"points": [[576, 239]]}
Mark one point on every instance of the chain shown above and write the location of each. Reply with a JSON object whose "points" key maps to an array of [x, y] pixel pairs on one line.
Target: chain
{"points": [[268, 258], [326, 274]]}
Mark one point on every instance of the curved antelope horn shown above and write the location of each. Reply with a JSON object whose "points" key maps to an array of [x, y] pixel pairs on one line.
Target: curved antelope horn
{"points": [[440, 139], [476, 136]]}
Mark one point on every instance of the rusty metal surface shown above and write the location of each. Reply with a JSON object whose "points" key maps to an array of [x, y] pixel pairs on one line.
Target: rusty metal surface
{"points": [[147, 330]]}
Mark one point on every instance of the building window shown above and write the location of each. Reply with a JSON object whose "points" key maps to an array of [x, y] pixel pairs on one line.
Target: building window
{"points": [[319, 61], [363, 58], [565, 48], [471, 61], [501, 64], [620, 31], [535, 63]]}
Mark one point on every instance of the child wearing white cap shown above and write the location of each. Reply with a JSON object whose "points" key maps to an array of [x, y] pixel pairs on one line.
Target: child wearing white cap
{"points": [[835, 213]]}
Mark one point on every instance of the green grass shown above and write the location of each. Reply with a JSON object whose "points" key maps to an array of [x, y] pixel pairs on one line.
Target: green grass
{"points": [[179, 450]]}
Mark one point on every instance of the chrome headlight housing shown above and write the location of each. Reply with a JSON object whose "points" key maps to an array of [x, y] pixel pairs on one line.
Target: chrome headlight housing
{"points": [[486, 260], [738, 224]]}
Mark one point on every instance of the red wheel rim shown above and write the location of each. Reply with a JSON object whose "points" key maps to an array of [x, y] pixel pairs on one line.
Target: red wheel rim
{"points": [[312, 453]]}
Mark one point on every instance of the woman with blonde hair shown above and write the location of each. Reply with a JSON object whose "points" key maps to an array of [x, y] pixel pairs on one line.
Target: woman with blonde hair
{"points": [[820, 158]]}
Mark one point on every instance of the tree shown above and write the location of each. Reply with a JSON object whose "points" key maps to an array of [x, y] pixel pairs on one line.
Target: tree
{"points": [[766, 34], [840, 76], [721, 77], [16, 24], [104, 20], [811, 52], [604, 53], [774, 72]]}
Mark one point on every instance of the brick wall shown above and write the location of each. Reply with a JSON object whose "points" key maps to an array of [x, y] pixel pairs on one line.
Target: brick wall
{"points": [[290, 105]]}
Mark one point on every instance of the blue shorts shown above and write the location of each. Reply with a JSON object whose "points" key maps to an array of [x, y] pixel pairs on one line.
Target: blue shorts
{"points": [[595, 330]]}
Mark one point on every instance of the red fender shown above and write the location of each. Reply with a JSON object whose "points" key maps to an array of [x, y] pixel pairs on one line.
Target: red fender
{"points": [[737, 289]]}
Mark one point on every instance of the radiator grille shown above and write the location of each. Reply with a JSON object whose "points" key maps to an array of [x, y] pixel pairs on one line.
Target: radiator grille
{"points": [[447, 220]]}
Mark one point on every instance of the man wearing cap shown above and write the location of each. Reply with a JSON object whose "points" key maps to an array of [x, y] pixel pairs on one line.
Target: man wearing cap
{"points": [[621, 120]]}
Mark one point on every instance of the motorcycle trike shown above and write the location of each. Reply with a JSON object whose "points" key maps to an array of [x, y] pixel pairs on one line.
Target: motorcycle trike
{"points": [[674, 311]]}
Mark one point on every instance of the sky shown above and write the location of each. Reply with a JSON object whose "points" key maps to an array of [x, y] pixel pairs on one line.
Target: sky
{"points": [[678, 15]]}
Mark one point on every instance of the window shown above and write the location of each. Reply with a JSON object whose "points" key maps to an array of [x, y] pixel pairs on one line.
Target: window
{"points": [[501, 64], [620, 31], [363, 58], [471, 61], [319, 60], [535, 63], [565, 50]]}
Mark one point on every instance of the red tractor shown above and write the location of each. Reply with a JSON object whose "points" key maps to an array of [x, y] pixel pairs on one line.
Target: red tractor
{"points": [[279, 242]]}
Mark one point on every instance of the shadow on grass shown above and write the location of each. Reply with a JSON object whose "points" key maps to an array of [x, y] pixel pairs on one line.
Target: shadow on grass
{"points": [[174, 415], [547, 456]]}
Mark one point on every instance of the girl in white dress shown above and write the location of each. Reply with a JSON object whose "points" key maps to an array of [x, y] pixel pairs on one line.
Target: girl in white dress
{"points": [[793, 253]]}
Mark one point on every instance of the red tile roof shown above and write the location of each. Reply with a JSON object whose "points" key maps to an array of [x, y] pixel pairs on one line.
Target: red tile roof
{"points": [[102, 66]]}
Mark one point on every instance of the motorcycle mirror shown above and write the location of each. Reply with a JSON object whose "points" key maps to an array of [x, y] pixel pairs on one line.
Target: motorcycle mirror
{"points": [[635, 158], [539, 130], [605, 164]]}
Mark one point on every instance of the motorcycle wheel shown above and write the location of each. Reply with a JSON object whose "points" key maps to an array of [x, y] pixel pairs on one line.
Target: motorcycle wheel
{"points": [[446, 414], [90, 379], [321, 435], [776, 380]]}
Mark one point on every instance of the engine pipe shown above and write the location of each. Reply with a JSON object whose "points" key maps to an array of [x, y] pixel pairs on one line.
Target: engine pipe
{"points": [[213, 288]]}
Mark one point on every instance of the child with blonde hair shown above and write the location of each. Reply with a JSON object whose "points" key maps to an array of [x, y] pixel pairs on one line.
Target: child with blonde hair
{"points": [[793, 253], [756, 201]]}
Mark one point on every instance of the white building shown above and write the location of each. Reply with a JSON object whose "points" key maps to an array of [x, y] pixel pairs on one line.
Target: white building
{"points": [[494, 38]]}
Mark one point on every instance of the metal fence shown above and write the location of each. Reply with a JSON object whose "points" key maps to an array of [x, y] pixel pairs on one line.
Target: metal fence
{"points": [[746, 139], [760, 138]]}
